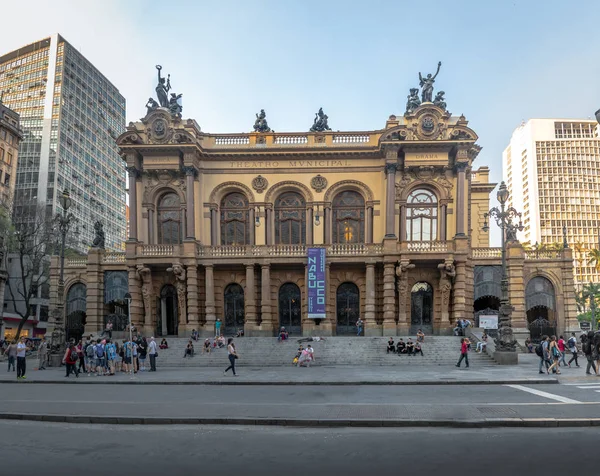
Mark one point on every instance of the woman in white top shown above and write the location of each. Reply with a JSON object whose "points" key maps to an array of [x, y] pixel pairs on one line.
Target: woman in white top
{"points": [[232, 356]]}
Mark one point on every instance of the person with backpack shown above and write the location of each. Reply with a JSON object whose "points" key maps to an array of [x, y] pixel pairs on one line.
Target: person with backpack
{"points": [[588, 341], [70, 359], [90, 356], [554, 357], [111, 355], [541, 351], [572, 345], [100, 358]]}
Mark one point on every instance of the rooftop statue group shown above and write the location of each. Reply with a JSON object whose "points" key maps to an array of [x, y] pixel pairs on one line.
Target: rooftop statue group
{"points": [[163, 87], [426, 84], [319, 124]]}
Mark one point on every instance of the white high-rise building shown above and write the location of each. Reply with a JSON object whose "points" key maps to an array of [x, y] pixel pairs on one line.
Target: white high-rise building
{"points": [[71, 115], [552, 170]]}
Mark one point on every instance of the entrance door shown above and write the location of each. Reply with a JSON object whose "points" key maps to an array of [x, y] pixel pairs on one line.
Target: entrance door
{"points": [[421, 308], [347, 308], [169, 322], [234, 309], [75, 326], [290, 309]]}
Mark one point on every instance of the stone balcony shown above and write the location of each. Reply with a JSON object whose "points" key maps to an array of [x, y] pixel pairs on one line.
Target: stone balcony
{"points": [[289, 140]]}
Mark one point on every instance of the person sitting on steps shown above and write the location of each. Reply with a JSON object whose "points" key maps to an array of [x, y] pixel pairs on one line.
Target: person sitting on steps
{"points": [[390, 346], [189, 350], [410, 347], [163, 344], [401, 347], [418, 349], [206, 346], [420, 336], [283, 335]]}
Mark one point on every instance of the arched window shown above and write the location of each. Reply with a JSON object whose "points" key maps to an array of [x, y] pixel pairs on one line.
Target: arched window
{"points": [[169, 219], [235, 220], [290, 219], [421, 216], [76, 298], [348, 217]]}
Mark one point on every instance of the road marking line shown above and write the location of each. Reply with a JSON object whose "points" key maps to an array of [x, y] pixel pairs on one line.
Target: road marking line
{"points": [[539, 393], [590, 386], [581, 383]]}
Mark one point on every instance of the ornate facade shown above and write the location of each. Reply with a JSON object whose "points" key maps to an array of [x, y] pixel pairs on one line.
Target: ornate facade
{"points": [[220, 225]]}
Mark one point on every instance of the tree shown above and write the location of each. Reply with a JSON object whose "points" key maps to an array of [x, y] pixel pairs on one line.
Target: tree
{"points": [[594, 258], [591, 294], [30, 245]]}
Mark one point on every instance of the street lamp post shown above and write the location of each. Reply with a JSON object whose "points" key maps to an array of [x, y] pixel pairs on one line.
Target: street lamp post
{"points": [[505, 342], [64, 222]]}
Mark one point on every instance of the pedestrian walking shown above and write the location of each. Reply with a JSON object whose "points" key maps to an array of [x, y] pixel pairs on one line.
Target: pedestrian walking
{"points": [[587, 350], [42, 354], [232, 355], [541, 350], [572, 345], [359, 326], [21, 358], [11, 351], [562, 349], [464, 353], [70, 360], [554, 356], [152, 353]]}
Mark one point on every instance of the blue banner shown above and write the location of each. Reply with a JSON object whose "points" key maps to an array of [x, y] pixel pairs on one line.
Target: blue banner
{"points": [[316, 283]]}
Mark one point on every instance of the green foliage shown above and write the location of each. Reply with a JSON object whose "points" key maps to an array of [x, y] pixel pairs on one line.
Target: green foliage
{"points": [[594, 258]]}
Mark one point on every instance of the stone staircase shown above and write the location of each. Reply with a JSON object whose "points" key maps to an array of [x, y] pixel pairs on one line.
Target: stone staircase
{"points": [[361, 351]]}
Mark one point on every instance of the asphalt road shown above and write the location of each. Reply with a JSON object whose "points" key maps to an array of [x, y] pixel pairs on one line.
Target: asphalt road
{"points": [[57, 449], [311, 402]]}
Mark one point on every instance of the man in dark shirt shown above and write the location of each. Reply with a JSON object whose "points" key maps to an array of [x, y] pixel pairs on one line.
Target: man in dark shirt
{"points": [[390, 347], [401, 347], [410, 347]]}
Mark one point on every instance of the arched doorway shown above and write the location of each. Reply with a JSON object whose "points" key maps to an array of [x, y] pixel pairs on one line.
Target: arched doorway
{"points": [[169, 317], [421, 308], [487, 291], [347, 308], [290, 308], [234, 309], [540, 304], [76, 312]]}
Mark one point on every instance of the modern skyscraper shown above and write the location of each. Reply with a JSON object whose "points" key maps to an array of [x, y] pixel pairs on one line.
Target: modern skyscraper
{"points": [[552, 169], [10, 136], [70, 115]]}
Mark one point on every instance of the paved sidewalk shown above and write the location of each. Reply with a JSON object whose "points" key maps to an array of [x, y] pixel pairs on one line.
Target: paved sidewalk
{"points": [[316, 375]]}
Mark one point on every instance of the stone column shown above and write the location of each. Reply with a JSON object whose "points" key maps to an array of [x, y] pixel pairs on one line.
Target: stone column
{"points": [[193, 298], [390, 200], [403, 300], [328, 326], [211, 317], [389, 298], [309, 226], [150, 225], [369, 223], [515, 262], [266, 323], [459, 301], [190, 174], [402, 236], [442, 230], [460, 208], [370, 322], [327, 223], [268, 225], [137, 303], [250, 300], [95, 292], [252, 225], [133, 211], [213, 226]]}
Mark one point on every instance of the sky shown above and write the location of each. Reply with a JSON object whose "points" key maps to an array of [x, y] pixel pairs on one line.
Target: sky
{"points": [[503, 62]]}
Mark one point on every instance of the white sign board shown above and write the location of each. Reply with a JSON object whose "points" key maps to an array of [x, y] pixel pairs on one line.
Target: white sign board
{"points": [[488, 322]]}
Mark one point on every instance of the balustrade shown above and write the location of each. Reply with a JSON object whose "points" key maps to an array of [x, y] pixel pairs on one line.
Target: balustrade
{"points": [[432, 246], [232, 140], [157, 250], [76, 263], [543, 254], [350, 138], [291, 140], [486, 252], [113, 257]]}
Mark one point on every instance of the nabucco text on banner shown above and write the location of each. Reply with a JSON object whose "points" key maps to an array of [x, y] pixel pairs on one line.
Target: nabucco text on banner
{"points": [[316, 283]]}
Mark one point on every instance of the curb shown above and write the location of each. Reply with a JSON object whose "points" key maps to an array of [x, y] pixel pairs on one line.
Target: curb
{"points": [[533, 381], [362, 423]]}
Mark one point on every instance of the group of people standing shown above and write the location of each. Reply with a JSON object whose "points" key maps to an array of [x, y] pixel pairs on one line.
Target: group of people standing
{"points": [[17, 352], [106, 357], [551, 352]]}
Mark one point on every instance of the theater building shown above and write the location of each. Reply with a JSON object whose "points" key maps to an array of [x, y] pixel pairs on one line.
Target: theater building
{"points": [[220, 225]]}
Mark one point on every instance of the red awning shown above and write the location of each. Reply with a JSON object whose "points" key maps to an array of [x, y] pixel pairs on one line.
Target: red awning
{"points": [[18, 319]]}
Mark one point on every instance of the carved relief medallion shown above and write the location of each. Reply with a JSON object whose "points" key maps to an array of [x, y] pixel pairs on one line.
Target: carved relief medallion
{"points": [[260, 184], [318, 183]]}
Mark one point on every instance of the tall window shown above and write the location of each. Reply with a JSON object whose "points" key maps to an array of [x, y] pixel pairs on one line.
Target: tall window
{"points": [[290, 219], [234, 220], [169, 219], [348, 217], [421, 216]]}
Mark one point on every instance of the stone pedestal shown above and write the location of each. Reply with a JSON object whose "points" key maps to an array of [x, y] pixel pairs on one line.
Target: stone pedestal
{"points": [[506, 358]]}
